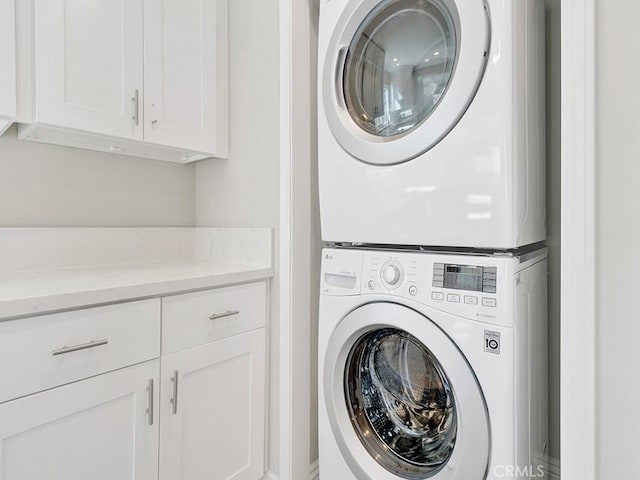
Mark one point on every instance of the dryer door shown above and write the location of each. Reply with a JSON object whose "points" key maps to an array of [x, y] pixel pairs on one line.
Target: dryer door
{"points": [[400, 74], [403, 402]]}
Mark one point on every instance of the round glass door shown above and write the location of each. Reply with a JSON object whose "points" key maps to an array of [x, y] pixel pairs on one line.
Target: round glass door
{"points": [[399, 65], [399, 75], [397, 389], [401, 399]]}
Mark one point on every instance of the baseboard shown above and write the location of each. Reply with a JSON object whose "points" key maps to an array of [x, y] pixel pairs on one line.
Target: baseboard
{"points": [[554, 468], [314, 471], [269, 475]]}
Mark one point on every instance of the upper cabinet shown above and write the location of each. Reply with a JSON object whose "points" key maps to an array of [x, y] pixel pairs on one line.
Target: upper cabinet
{"points": [[88, 61], [185, 84], [7, 64], [139, 77]]}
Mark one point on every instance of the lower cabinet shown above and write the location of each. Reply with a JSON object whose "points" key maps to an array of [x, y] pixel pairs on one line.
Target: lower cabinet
{"points": [[88, 394], [101, 428], [212, 411]]}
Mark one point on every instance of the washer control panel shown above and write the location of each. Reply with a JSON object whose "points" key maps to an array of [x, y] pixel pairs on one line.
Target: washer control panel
{"points": [[469, 286], [477, 287]]}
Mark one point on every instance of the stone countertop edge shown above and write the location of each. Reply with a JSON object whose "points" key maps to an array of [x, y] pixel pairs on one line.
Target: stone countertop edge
{"points": [[124, 289]]}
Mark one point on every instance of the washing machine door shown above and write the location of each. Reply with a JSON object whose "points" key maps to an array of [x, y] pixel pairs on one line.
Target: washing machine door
{"points": [[402, 400], [399, 74]]}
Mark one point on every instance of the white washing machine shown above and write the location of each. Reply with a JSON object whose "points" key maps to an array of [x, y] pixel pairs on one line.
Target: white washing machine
{"points": [[432, 366], [431, 122]]}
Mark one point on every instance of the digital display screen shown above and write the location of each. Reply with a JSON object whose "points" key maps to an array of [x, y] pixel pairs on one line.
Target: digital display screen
{"points": [[463, 277]]}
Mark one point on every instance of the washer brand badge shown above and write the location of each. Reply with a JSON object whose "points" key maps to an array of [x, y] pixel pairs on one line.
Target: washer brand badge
{"points": [[492, 342]]}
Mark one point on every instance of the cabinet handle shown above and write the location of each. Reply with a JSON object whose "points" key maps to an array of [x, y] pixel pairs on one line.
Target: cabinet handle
{"points": [[228, 313], [174, 400], [135, 107], [150, 409], [75, 348]]}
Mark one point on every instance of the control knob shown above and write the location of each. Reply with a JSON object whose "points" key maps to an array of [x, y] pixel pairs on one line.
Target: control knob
{"points": [[392, 274]]}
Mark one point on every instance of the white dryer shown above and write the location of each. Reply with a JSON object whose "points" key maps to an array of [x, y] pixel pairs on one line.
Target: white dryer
{"points": [[432, 366], [431, 122]]}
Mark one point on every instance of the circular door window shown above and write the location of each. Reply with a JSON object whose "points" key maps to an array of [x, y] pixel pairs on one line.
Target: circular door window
{"points": [[398, 390], [399, 74], [399, 65], [401, 399]]}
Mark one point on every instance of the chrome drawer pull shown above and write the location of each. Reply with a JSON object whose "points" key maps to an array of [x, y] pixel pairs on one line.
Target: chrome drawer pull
{"points": [[174, 399], [75, 348], [150, 409], [228, 313]]}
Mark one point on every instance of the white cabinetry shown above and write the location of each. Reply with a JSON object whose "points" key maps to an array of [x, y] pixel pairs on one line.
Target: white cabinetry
{"points": [[98, 429], [85, 391], [88, 65], [213, 384], [142, 77], [7, 64], [212, 410], [45, 351], [186, 92]]}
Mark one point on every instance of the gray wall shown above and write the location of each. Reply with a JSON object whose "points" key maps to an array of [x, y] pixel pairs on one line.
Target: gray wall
{"points": [[553, 217], [244, 190], [45, 185], [617, 238]]}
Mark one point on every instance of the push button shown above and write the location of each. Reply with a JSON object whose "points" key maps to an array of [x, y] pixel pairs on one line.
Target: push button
{"points": [[489, 302], [453, 297], [413, 290], [437, 296], [470, 300]]}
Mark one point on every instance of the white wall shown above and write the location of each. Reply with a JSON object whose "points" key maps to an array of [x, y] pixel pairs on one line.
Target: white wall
{"points": [[243, 191], [44, 185], [617, 238], [553, 216]]}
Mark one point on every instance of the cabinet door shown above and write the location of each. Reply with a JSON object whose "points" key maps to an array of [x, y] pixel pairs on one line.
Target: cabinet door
{"points": [[88, 65], [98, 429], [186, 90], [7, 63], [212, 410]]}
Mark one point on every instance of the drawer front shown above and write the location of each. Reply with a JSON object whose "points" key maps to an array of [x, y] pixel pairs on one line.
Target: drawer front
{"points": [[202, 317], [43, 352]]}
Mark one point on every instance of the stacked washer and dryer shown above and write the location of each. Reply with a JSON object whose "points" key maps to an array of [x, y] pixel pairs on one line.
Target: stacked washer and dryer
{"points": [[433, 302]]}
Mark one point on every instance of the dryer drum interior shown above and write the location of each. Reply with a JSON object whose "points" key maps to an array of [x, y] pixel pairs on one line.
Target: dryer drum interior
{"points": [[396, 389]]}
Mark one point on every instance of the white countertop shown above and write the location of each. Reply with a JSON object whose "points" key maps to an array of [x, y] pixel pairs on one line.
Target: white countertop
{"points": [[29, 293], [66, 269]]}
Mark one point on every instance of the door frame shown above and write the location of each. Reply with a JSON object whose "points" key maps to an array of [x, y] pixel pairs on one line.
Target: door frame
{"points": [[294, 243], [578, 336], [578, 226]]}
